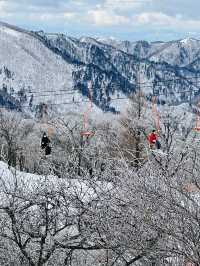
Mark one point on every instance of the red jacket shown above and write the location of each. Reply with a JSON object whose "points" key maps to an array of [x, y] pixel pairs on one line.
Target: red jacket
{"points": [[152, 138]]}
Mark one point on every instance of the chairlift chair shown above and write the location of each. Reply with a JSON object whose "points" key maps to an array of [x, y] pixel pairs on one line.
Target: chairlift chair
{"points": [[86, 132]]}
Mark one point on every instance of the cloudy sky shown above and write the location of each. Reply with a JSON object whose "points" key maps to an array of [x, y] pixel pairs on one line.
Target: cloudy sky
{"points": [[123, 19]]}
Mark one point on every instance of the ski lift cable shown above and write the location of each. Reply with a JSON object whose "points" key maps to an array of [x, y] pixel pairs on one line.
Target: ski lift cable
{"points": [[63, 103], [44, 91], [114, 99], [54, 94], [151, 83], [71, 92], [86, 131], [143, 84], [155, 94]]}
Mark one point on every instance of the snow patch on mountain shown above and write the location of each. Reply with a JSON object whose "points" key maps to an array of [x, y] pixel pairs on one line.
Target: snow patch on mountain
{"points": [[35, 69], [10, 31], [188, 40], [180, 52]]}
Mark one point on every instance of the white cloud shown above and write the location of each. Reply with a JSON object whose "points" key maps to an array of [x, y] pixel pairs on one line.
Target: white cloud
{"points": [[143, 17], [33, 13], [102, 17], [154, 18], [61, 18], [160, 20], [2, 6], [69, 15], [124, 5], [3, 11]]}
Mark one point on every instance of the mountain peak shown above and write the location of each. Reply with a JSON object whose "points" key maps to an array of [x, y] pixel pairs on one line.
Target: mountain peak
{"points": [[189, 40]]}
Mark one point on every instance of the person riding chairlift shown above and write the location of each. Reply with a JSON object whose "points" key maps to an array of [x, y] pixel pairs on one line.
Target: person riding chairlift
{"points": [[45, 144], [153, 140]]}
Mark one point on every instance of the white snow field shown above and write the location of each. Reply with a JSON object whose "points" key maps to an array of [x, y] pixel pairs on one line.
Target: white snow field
{"points": [[33, 66], [32, 183]]}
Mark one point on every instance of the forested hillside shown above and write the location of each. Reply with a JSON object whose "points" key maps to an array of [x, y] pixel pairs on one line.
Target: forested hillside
{"points": [[108, 199]]}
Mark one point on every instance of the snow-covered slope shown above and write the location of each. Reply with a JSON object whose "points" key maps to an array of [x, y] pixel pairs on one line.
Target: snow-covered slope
{"points": [[36, 67], [27, 65], [115, 72], [181, 52], [32, 183]]}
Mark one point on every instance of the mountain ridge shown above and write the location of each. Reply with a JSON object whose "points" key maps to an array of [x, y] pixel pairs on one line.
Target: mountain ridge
{"points": [[60, 62]]}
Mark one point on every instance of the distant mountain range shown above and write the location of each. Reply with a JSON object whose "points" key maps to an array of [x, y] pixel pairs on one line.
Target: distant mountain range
{"points": [[37, 68], [177, 53]]}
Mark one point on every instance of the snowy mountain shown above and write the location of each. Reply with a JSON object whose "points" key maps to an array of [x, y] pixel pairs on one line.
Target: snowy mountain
{"points": [[176, 53], [180, 53], [37, 68], [28, 68], [117, 72]]}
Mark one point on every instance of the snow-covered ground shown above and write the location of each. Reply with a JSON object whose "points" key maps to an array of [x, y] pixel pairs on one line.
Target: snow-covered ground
{"points": [[29, 183]]}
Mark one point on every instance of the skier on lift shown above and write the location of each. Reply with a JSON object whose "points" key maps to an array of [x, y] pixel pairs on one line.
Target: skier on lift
{"points": [[45, 144], [153, 140]]}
